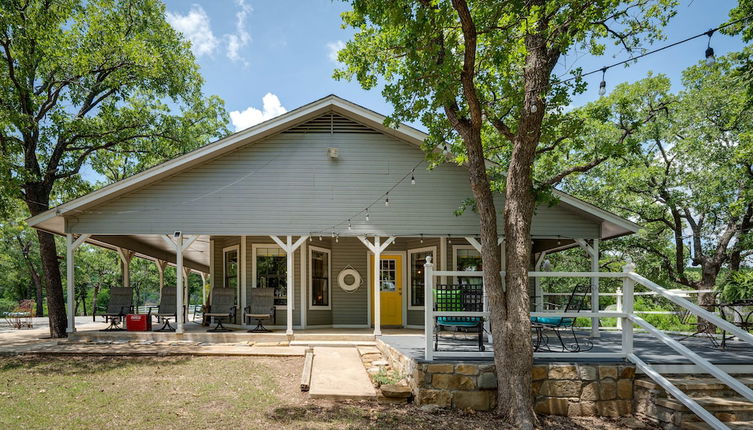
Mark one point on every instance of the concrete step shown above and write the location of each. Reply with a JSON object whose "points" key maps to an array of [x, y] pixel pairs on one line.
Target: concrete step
{"points": [[733, 425], [333, 343]]}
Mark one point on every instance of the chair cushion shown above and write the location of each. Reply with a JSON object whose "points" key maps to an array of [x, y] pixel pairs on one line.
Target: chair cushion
{"points": [[553, 320], [453, 321]]}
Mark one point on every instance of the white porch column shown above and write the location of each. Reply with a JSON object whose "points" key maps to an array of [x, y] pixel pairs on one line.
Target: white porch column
{"points": [[203, 289], [377, 287], [211, 271], [186, 294], [70, 246], [376, 248], [538, 291], [243, 285], [593, 252], [289, 247], [161, 264], [179, 245], [305, 283], [126, 255]]}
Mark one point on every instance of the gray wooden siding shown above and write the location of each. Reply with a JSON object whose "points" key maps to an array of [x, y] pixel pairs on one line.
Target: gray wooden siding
{"points": [[286, 184]]}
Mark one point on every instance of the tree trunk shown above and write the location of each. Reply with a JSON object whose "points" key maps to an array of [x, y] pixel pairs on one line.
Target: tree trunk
{"points": [[55, 301], [94, 302], [35, 278]]}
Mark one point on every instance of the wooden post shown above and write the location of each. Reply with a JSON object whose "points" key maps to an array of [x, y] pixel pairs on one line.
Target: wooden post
{"points": [[428, 309], [289, 247], [70, 247], [243, 297], [595, 288], [377, 248], [628, 286], [179, 245]]}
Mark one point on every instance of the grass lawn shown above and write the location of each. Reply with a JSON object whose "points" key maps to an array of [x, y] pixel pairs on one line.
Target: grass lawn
{"points": [[200, 392]]}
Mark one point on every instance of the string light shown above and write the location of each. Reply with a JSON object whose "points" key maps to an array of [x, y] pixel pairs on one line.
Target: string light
{"points": [[449, 238], [710, 59], [337, 239], [387, 199], [422, 238], [367, 214], [603, 84], [350, 226], [333, 233], [413, 177], [320, 237], [662, 48]]}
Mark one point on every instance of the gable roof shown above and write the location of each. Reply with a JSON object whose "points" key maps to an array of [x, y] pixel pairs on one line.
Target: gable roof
{"points": [[52, 219]]}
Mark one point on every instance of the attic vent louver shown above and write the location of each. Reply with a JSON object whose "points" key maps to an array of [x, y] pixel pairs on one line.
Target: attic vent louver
{"points": [[331, 123]]}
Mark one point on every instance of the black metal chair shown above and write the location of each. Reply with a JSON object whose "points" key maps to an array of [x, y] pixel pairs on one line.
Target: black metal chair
{"points": [[167, 308], [121, 304], [222, 308], [559, 325], [463, 297], [262, 307]]}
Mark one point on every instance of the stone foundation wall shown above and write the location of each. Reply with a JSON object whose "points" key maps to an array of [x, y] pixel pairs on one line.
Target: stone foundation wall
{"points": [[584, 389], [558, 388]]}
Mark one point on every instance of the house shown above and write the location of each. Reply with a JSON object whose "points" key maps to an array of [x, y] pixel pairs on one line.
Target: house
{"points": [[304, 203]]}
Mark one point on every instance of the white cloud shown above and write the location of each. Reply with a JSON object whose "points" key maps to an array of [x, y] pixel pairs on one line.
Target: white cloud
{"points": [[271, 107], [196, 28], [333, 48], [238, 40]]}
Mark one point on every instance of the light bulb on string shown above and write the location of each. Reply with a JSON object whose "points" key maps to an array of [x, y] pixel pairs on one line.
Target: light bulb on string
{"points": [[387, 199], [449, 238], [413, 177], [337, 239], [710, 58], [350, 226], [422, 238], [333, 233], [320, 237], [367, 214], [603, 84]]}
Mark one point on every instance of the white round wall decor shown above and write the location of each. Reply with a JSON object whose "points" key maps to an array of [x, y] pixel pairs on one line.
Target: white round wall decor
{"points": [[349, 279]]}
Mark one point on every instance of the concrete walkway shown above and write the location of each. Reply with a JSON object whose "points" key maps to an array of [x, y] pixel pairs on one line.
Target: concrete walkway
{"points": [[338, 374]]}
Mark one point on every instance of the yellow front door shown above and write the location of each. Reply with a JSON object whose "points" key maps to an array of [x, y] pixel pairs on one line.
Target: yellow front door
{"points": [[391, 291]]}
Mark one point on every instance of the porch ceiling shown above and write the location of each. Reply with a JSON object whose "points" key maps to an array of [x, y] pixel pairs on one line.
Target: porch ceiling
{"points": [[154, 247]]}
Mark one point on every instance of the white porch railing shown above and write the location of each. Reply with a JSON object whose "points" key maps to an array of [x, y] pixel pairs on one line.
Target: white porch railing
{"points": [[626, 316]]}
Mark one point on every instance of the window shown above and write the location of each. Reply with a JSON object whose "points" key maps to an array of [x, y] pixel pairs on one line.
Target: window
{"points": [[230, 267], [467, 259], [270, 263], [319, 278], [388, 275], [417, 261]]}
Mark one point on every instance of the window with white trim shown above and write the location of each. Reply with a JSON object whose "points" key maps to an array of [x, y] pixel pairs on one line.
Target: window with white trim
{"points": [[272, 272], [230, 272], [320, 278], [468, 259], [417, 259]]}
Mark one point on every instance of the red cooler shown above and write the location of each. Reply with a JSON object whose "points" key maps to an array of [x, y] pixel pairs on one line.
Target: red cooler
{"points": [[141, 322]]}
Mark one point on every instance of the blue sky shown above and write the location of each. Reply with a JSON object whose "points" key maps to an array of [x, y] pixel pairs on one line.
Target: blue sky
{"points": [[248, 49]]}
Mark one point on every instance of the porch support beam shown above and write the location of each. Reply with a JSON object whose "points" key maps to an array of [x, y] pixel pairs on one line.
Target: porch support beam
{"points": [[593, 252], [538, 291], [126, 255], [376, 248], [161, 264], [244, 283], [289, 247], [70, 246], [180, 244]]}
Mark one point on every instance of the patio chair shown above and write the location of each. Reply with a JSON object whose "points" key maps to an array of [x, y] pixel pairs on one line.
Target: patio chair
{"points": [[222, 307], [262, 308], [121, 304], [559, 325], [465, 297], [167, 308]]}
